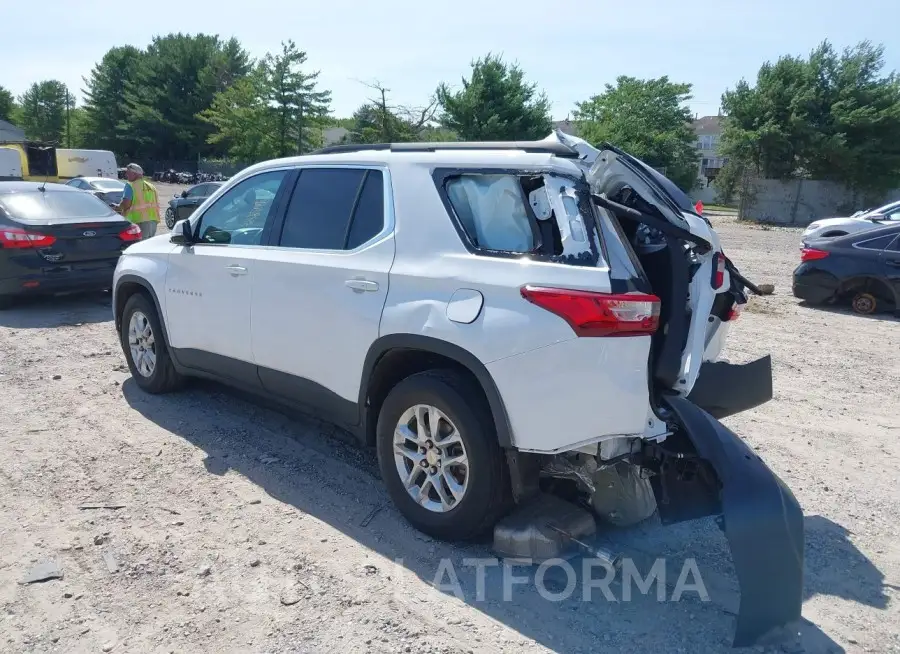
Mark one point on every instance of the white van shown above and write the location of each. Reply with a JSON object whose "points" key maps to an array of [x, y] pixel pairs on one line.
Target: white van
{"points": [[85, 163]]}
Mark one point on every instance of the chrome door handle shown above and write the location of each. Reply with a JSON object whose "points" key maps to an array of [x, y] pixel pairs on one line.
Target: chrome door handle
{"points": [[236, 270], [362, 285]]}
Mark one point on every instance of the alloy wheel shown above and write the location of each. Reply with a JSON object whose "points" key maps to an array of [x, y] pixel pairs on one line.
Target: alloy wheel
{"points": [[430, 458], [142, 344]]}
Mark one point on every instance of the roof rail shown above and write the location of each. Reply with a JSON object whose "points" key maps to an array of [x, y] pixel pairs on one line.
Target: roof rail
{"points": [[539, 147]]}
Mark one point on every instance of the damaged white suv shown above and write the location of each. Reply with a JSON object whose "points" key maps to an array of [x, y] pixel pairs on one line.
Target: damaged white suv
{"points": [[497, 319]]}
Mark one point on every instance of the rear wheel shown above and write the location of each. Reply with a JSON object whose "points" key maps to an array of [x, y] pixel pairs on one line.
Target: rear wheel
{"points": [[439, 456], [145, 347], [864, 303], [170, 218]]}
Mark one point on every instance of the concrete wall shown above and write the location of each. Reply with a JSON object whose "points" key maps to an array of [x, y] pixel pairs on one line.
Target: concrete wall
{"points": [[800, 202]]}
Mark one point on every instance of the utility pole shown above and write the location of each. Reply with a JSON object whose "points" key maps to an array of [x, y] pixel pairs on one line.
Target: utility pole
{"points": [[68, 121]]}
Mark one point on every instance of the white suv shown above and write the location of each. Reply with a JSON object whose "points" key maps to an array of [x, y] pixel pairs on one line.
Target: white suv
{"points": [[493, 317]]}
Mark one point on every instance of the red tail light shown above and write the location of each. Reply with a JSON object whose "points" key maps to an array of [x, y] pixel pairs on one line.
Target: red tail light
{"points": [[811, 254], [718, 276], [599, 314], [14, 237], [131, 233], [735, 312]]}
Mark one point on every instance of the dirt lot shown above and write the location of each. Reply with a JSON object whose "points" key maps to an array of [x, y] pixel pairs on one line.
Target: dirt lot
{"points": [[243, 529]]}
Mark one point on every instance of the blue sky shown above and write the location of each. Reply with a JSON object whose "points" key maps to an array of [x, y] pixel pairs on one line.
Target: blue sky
{"points": [[569, 49]]}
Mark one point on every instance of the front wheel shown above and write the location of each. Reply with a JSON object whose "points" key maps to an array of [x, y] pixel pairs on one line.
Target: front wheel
{"points": [[170, 218], [145, 347], [439, 456]]}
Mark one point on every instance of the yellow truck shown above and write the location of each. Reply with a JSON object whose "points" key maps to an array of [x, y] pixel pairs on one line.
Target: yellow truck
{"points": [[40, 162]]}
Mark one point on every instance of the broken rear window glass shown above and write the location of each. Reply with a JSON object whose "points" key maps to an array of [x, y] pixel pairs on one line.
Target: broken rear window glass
{"points": [[493, 212]]}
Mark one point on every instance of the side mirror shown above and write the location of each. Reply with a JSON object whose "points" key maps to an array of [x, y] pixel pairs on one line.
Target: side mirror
{"points": [[184, 194], [182, 233]]}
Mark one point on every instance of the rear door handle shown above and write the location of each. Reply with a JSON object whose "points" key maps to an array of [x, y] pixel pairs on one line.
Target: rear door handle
{"points": [[236, 270], [894, 263], [362, 285]]}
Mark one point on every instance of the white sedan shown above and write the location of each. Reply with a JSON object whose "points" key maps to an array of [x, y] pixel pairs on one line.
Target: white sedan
{"points": [[856, 223]]}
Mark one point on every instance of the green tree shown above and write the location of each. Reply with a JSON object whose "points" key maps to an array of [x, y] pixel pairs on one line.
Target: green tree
{"points": [[175, 81], [378, 121], [301, 108], [43, 112], [105, 105], [7, 104], [245, 125], [495, 103], [649, 119], [831, 116]]}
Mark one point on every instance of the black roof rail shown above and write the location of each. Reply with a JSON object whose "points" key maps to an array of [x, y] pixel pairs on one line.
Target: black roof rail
{"points": [[538, 147]]}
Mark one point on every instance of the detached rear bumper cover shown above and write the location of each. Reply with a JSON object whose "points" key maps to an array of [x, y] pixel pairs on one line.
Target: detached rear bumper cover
{"points": [[723, 389], [763, 525]]}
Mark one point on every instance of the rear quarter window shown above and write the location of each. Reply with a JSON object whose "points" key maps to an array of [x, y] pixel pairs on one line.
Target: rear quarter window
{"points": [[492, 211]]}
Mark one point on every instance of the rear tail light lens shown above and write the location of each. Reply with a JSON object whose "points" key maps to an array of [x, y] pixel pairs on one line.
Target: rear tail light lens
{"points": [[718, 276], [599, 314], [735, 312], [16, 238], [131, 233], [811, 254]]}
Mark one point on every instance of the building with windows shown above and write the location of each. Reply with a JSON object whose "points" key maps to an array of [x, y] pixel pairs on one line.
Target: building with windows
{"points": [[711, 161]]}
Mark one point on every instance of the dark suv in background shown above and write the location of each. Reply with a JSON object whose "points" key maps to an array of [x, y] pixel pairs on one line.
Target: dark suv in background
{"points": [[183, 205]]}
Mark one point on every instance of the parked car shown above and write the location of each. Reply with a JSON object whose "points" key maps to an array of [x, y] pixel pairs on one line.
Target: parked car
{"points": [[862, 269], [858, 222], [492, 317], [107, 189], [54, 238], [183, 205]]}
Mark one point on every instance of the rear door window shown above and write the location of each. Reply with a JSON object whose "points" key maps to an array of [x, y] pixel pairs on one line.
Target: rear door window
{"points": [[334, 209]]}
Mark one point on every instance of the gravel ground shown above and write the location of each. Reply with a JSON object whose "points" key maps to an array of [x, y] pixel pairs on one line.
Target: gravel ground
{"points": [[244, 529]]}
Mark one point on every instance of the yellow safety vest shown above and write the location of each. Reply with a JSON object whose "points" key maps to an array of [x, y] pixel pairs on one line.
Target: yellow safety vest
{"points": [[144, 202]]}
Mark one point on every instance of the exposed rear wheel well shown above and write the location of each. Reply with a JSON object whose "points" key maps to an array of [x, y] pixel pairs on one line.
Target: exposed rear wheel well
{"points": [[871, 285], [396, 365]]}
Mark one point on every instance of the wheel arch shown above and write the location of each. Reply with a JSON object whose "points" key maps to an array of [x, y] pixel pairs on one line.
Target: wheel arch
{"points": [[394, 357], [126, 286], [868, 283]]}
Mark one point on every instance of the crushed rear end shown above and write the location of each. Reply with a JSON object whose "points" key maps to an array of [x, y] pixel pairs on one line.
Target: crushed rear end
{"points": [[687, 460]]}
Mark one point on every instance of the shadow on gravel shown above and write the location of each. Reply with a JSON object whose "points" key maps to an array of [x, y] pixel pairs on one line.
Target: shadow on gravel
{"points": [[42, 312], [885, 316], [319, 470]]}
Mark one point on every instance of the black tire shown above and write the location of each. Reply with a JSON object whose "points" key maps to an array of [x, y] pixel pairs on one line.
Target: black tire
{"points": [[164, 377], [488, 494], [170, 218]]}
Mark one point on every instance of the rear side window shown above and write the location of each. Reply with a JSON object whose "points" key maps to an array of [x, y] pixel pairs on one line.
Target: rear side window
{"points": [[879, 243], [334, 209], [37, 206], [493, 212]]}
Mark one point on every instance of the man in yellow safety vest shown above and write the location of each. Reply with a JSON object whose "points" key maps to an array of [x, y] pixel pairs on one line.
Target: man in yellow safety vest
{"points": [[140, 202]]}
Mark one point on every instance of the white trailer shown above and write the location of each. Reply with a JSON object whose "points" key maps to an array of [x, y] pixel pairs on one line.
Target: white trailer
{"points": [[85, 163]]}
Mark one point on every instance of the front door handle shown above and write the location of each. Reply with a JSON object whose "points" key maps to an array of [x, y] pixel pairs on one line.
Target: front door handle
{"points": [[236, 270], [362, 285]]}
